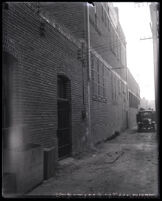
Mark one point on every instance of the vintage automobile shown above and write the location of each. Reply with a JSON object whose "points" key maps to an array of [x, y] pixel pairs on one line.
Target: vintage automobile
{"points": [[146, 120]]}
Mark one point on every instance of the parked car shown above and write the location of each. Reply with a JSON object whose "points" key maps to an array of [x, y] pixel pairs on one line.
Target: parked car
{"points": [[146, 120]]}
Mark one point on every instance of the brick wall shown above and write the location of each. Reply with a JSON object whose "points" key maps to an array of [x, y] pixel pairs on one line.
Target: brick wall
{"points": [[135, 92], [109, 109], [109, 114], [133, 85], [40, 60], [70, 15], [105, 114], [106, 38]]}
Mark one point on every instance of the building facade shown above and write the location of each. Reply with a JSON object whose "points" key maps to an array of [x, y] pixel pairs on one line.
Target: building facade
{"points": [[66, 85]]}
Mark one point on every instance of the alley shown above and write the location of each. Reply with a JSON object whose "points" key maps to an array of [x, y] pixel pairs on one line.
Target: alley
{"points": [[74, 76], [127, 164]]}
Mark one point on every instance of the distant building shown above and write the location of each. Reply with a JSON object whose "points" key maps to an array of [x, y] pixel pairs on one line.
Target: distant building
{"points": [[146, 104], [66, 85]]}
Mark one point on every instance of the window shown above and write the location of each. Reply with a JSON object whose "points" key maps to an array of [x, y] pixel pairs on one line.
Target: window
{"points": [[62, 87], [98, 79], [93, 21], [94, 75]]}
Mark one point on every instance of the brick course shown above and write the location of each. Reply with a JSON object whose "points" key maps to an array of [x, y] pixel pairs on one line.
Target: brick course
{"points": [[42, 59]]}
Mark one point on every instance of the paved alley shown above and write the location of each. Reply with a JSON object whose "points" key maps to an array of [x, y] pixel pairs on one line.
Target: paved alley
{"points": [[70, 86], [127, 164]]}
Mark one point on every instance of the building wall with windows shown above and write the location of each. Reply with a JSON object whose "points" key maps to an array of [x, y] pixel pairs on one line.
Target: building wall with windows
{"points": [[109, 100], [45, 42], [109, 91], [134, 99], [106, 35]]}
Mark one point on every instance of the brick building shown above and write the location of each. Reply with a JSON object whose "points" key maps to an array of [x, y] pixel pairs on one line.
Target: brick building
{"points": [[66, 85]]}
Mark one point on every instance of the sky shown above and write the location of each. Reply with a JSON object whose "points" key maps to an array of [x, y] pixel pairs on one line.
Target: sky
{"points": [[135, 21]]}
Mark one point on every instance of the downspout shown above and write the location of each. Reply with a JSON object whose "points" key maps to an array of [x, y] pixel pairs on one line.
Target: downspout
{"points": [[88, 131]]}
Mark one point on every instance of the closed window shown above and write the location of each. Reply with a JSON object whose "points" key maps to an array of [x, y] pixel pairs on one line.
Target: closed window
{"points": [[98, 79]]}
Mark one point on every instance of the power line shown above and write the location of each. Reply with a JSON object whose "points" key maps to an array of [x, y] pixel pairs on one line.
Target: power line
{"points": [[145, 38]]}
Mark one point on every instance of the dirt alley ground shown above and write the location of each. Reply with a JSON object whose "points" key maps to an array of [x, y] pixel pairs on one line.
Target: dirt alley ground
{"points": [[127, 164]]}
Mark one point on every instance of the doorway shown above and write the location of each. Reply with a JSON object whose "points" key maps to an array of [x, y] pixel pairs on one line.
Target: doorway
{"points": [[64, 117], [9, 64]]}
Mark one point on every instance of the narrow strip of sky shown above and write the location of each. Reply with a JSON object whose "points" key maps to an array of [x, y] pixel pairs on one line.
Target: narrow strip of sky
{"points": [[135, 21]]}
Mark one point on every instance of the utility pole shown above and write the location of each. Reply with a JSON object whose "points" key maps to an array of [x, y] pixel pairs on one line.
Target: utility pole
{"points": [[154, 12]]}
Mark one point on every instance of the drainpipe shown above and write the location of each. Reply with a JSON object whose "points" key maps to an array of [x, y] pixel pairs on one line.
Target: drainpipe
{"points": [[88, 132]]}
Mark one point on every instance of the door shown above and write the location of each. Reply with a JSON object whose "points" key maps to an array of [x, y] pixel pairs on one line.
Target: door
{"points": [[64, 118]]}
